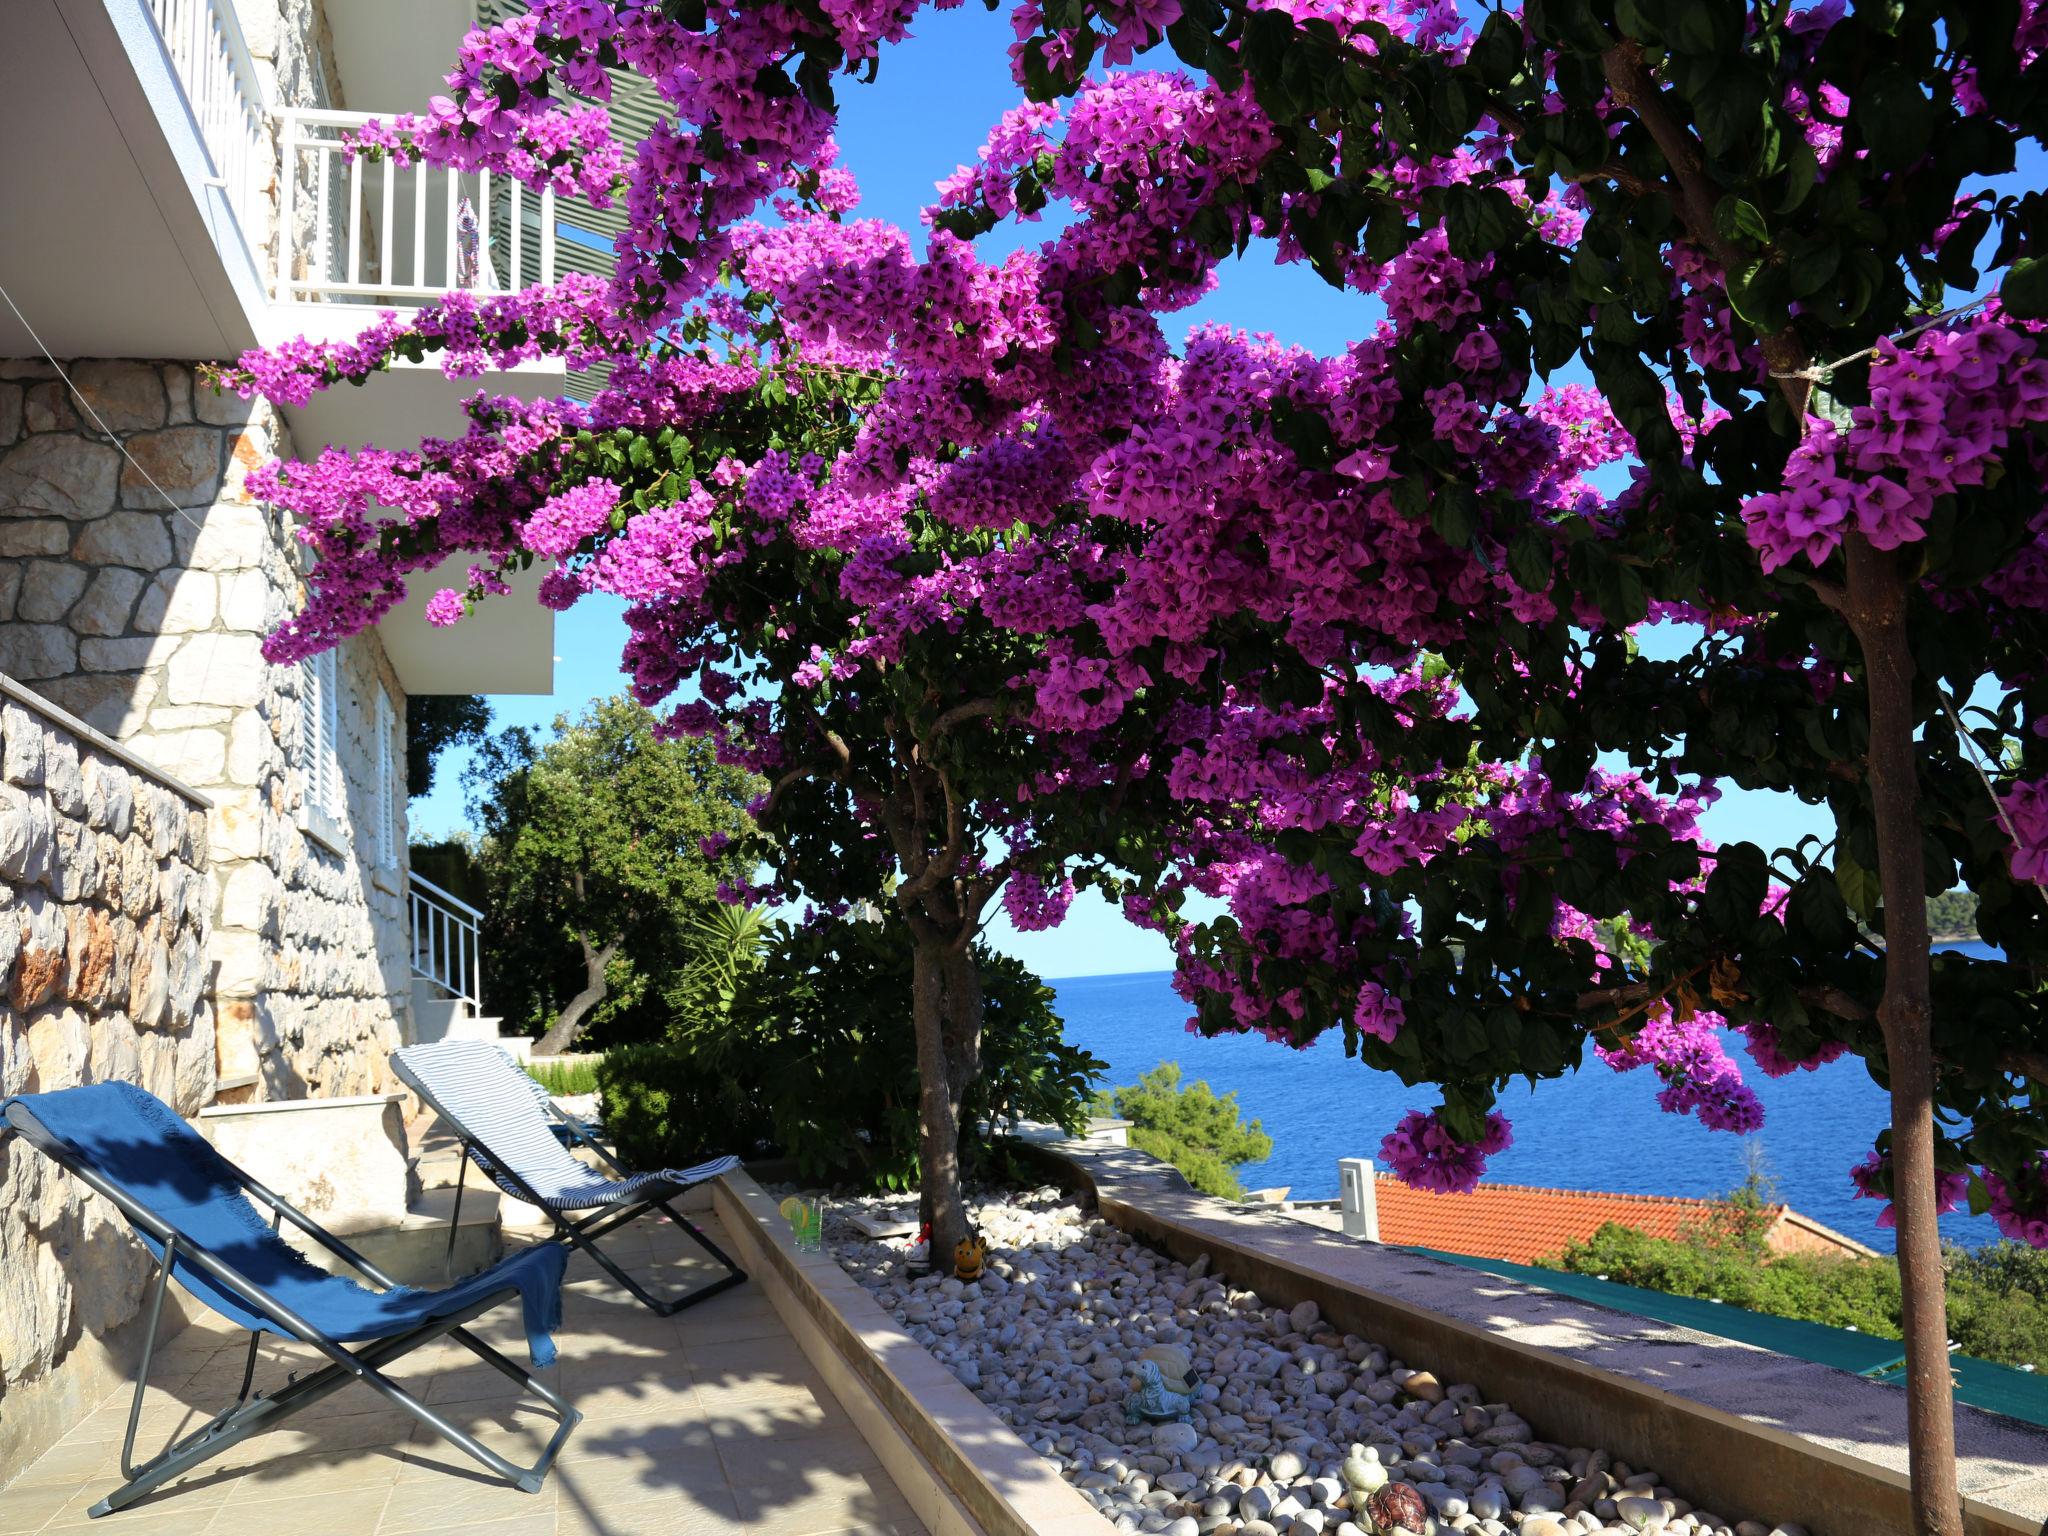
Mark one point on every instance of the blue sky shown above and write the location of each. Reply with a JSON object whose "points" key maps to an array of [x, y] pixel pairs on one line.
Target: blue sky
{"points": [[933, 103]]}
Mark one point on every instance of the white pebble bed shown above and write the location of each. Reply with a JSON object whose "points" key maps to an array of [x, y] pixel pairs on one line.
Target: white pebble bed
{"points": [[1047, 1338]]}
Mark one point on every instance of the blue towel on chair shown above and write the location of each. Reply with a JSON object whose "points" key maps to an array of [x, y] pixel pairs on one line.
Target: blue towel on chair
{"points": [[137, 1142]]}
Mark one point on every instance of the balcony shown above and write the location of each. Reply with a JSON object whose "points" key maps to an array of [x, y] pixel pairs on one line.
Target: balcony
{"points": [[164, 203]]}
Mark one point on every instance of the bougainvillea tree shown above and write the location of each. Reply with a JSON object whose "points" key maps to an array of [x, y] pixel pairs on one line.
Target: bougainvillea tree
{"points": [[1715, 319], [855, 643]]}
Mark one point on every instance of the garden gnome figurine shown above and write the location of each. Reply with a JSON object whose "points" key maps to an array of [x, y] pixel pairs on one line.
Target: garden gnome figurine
{"points": [[1165, 1392], [1363, 1474], [968, 1255]]}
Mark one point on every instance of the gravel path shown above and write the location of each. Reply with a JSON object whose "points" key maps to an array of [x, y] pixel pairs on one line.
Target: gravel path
{"points": [[1293, 1421]]}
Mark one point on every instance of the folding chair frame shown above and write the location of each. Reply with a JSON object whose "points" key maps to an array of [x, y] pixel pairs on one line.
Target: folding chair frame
{"points": [[582, 1232], [248, 1415]]}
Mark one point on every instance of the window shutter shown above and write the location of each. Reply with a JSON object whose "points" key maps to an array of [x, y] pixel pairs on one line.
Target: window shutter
{"points": [[330, 737], [319, 733], [387, 790], [312, 715]]}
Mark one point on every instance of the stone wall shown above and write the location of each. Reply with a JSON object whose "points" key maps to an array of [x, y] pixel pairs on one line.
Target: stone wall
{"points": [[135, 591], [103, 959]]}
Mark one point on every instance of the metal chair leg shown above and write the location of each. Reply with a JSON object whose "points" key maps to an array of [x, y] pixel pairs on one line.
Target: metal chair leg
{"points": [[455, 1219], [264, 1411], [585, 1235]]}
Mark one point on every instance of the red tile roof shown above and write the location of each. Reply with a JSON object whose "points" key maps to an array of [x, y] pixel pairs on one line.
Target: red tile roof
{"points": [[1521, 1223]]}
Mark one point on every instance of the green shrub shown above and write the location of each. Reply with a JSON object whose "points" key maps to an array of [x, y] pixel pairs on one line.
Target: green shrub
{"points": [[1202, 1135], [1997, 1298], [664, 1108], [812, 1057], [564, 1077]]}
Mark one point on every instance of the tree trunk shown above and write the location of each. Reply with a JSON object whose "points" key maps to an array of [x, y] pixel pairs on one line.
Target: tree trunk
{"points": [[938, 1131], [1876, 610], [570, 1020], [963, 1010]]}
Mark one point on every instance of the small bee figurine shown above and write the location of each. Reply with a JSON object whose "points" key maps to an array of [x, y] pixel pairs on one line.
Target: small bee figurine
{"points": [[968, 1255]]}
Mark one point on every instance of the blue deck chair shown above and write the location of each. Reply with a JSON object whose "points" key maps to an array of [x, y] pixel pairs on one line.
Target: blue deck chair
{"points": [[521, 1142], [204, 1219]]}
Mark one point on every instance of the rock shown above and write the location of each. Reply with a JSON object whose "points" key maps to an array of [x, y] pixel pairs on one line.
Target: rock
{"points": [[1305, 1316], [1182, 1527], [181, 463], [59, 476], [1543, 1525], [1286, 1466], [1643, 1514], [1257, 1502], [1424, 1385], [124, 396], [1176, 1438], [137, 539], [1487, 1502]]}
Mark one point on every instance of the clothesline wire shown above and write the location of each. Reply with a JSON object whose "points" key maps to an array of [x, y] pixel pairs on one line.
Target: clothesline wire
{"points": [[1824, 373], [98, 420], [213, 652]]}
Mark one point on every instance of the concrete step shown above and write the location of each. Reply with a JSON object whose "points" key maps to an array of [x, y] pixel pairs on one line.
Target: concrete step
{"points": [[479, 1027], [414, 1249]]}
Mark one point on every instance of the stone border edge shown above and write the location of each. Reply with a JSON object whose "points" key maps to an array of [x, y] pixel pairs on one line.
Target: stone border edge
{"points": [[964, 1470], [1822, 1488], [63, 719]]}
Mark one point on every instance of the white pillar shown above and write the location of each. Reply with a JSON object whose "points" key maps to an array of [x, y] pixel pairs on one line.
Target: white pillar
{"points": [[1361, 1201]]}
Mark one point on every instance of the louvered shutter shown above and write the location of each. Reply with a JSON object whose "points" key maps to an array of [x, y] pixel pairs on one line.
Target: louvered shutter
{"points": [[320, 733], [387, 792]]}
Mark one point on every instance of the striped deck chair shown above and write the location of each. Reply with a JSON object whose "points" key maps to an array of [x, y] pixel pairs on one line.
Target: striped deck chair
{"points": [[214, 1230], [524, 1149]]}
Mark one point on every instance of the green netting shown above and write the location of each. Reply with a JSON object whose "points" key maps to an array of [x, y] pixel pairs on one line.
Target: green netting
{"points": [[1987, 1384], [1981, 1383], [1838, 1347]]}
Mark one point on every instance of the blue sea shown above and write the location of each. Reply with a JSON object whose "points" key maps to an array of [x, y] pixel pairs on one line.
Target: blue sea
{"points": [[1596, 1129]]}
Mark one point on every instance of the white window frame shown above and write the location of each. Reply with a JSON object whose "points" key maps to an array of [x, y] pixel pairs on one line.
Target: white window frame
{"points": [[324, 809], [387, 783]]}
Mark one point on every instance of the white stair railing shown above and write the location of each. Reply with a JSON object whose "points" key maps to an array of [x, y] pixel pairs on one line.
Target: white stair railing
{"points": [[445, 949], [374, 232], [211, 60]]}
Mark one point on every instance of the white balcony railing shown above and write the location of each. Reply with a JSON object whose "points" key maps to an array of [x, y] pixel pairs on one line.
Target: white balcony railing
{"points": [[373, 232], [445, 942], [207, 53]]}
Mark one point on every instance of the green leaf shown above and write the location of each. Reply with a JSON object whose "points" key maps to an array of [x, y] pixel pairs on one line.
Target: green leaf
{"points": [[1729, 105], [1454, 514], [2024, 291], [1760, 292], [1860, 887], [1957, 261], [1497, 54], [1896, 118], [1702, 26], [1479, 221], [1529, 560], [1735, 219]]}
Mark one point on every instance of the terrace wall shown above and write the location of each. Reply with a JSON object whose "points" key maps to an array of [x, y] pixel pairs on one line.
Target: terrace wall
{"points": [[104, 917]]}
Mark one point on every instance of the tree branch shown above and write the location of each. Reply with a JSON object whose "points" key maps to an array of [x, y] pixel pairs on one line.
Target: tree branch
{"points": [[1693, 193], [973, 709]]}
